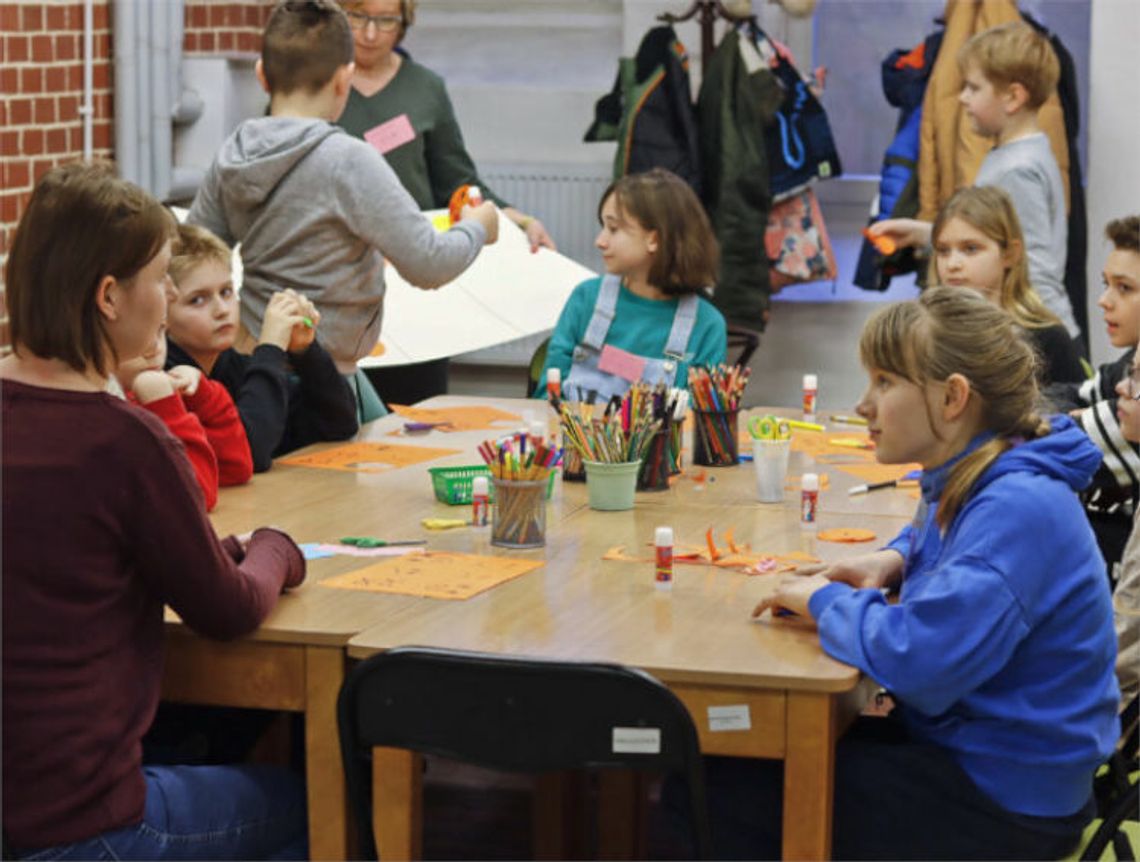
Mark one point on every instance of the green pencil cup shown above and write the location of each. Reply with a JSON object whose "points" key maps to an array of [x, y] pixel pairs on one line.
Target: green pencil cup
{"points": [[715, 442], [610, 487]]}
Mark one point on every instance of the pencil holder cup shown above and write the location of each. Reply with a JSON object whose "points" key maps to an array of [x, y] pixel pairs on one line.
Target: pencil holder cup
{"points": [[518, 518], [610, 487], [770, 460], [714, 438], [572, 467], [654, 473], [676, 434]]}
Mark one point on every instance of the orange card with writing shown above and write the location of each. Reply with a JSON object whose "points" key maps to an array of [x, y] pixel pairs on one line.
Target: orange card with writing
{"points": [[434, 575]]}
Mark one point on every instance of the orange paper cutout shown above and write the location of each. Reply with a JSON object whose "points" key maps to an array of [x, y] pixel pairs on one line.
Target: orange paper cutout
{"points": [[873, 471], [434, 575], [368, 457], [379, 349], [474, 418], [846, 535], [749, 563]]}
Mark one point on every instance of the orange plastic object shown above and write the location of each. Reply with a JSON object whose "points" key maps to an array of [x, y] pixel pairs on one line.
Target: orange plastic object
{"points": [[714, 554], [883, 244], [463, 196], [846, 535]]}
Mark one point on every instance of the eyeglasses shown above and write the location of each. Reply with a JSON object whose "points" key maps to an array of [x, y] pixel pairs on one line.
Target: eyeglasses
{"points": [[383, 23], [1133, 383]]}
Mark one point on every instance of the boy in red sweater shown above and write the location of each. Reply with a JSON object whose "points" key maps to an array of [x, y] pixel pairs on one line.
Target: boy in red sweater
{"points": [[197, 411]]}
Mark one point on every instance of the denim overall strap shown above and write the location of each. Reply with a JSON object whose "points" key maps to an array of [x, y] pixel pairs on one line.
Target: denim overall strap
{"points": [[605, 306], [684, 320]]}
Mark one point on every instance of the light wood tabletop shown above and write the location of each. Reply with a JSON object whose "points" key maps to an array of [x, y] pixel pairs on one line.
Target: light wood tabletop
{"points": [[697, 638]]}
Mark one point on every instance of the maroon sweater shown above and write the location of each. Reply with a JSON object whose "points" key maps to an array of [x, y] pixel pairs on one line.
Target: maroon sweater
{"points": [[103, 523]]}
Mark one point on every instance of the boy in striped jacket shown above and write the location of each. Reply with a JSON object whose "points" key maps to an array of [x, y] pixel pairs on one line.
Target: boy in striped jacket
{"points": [[1112, 498]]}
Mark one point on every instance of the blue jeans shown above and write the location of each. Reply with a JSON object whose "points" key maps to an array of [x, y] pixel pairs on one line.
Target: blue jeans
{"points": [[206, 812]]}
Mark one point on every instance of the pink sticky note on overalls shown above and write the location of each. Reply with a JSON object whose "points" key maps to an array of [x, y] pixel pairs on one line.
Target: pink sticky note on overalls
{"points": [[391, 134], [621, 363]]}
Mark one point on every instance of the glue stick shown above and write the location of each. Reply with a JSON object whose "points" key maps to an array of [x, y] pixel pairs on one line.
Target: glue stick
{"points": [[663, 542], [809, 498], [480, 501], [553, 382], [811, 388]]}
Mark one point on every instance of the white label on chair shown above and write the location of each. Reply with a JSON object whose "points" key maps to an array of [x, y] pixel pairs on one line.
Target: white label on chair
{"points": [[729, 718], [637, 740]]}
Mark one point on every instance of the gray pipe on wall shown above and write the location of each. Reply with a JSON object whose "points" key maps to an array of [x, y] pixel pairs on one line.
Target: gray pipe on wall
{"points": [[149, 96]]}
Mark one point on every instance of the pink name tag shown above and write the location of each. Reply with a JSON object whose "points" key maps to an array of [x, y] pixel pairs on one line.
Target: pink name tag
{"points": [[394, 133], [621, 363]]}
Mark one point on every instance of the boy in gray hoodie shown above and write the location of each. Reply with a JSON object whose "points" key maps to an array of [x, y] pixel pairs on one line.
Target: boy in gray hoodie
{"points": [[314, 208]]}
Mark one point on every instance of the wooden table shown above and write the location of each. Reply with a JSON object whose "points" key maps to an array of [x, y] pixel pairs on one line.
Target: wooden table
{"points": [[296, 660], [698, 639]]}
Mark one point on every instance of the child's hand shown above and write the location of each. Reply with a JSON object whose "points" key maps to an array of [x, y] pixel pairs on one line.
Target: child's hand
{"points": [[904, 231], [281, 314], [867, 571], [303, 333], [185, 378], [792, 594], [151, 386], [486, 215]]}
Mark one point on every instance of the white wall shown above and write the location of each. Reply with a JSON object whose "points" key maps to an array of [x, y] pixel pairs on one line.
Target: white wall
{"points": [[1113, 185]]}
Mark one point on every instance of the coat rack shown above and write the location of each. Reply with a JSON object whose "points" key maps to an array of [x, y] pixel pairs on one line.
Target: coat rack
{"points": [[709, 11]]}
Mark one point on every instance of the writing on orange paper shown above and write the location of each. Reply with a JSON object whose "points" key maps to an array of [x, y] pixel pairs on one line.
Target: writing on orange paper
{"points": [[434, 575], [368, 457]]}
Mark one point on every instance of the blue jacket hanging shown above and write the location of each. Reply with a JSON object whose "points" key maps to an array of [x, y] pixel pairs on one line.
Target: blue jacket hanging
{"points": [[904, 83]]}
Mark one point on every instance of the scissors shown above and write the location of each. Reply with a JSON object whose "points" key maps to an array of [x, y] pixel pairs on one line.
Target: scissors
{"points": [[769, 428]]}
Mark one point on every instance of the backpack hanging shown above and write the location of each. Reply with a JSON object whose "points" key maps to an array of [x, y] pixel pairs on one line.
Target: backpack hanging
{"points": [[799, 142]]}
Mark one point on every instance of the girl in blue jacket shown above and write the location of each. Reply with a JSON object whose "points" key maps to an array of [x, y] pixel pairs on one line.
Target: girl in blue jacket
{"points": [[1000, 649]]}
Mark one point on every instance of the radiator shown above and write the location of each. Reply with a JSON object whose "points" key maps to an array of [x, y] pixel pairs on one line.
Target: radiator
{"points": [[565, 197]]}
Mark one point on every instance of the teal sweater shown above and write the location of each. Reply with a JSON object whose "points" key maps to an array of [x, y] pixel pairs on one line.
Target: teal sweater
{"points": [[640, 326]]}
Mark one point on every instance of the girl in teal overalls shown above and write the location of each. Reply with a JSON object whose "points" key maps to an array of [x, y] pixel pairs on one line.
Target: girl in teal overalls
{"points": [[649, 318]]}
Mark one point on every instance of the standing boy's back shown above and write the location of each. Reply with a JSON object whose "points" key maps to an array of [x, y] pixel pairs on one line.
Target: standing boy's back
{"points": [[315, 209]]}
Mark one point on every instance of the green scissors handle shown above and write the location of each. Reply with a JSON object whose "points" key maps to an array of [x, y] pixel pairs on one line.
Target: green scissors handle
{"points": [[769, 428], [369, 542]]}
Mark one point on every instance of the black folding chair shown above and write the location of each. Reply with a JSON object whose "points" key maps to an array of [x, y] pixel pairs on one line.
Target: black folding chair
{"points": [[743, 339], [514, 714]]}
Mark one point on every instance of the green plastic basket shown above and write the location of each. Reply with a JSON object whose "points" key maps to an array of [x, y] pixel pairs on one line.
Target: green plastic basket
{"points": [[452, 485]]}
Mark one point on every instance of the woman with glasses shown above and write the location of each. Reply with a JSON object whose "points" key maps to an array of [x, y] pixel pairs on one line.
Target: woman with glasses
{"points": [[402, 109], [1096, 403]]}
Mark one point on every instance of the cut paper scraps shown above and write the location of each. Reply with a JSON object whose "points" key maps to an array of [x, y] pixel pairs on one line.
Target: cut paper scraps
{"points": [[434, 575], [854, 454], [736, 556], [368, 457], [474, 418], [846, 535]]}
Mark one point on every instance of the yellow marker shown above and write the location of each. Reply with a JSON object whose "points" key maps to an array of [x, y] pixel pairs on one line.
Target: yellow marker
{"points": [[804, 426], [851, 442], [847, 420], [443, 523]]}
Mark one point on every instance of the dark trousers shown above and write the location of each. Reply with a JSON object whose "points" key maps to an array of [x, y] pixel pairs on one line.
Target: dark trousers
{"points": [[894, 799]]}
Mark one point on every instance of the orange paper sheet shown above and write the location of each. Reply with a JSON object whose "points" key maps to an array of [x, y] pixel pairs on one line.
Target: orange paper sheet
{"points": [[460, 418], [368, 457], [743, 559], [872, 471], [434, 575], [846, 535]]}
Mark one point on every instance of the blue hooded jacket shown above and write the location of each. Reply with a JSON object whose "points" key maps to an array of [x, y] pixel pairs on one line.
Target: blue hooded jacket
{"points": [[1001, 647]]}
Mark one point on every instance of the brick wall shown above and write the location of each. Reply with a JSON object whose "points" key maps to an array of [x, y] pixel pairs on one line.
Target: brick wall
{"points": [[41, 87], [223, 27]]}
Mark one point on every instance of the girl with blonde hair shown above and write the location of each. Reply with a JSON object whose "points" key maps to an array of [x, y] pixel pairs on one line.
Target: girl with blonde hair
{"points": [[999, 651], [978, 243]]}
